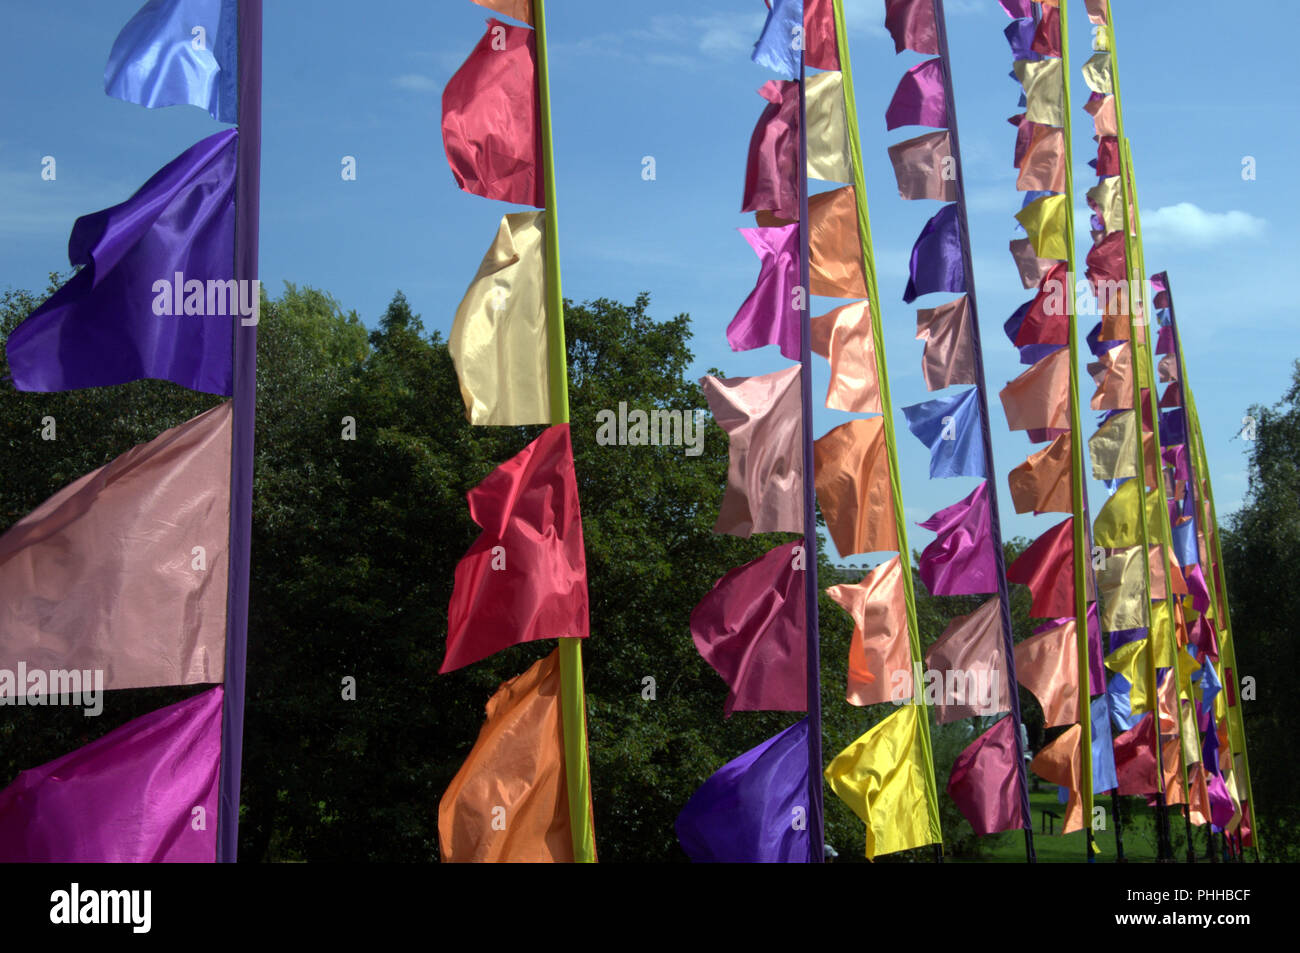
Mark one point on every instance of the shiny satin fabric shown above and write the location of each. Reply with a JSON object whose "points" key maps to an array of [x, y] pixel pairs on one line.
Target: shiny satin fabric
{"points": [[1047, 319], [519, 9], [972, 646], [498, 336], [950, 427], [1096, 73], [1113, 450], [1039, 398], [880, 657], [820, 48], [881, 776], [1043, 166], [525, 577], [1104, 120], [103, 575], [984, 781], [768, 315], [1112, 372], [911, 24], [1105, 199], [1042, 483], [1106, 262], [1060, 763], [1048, 665], [1032, 268], [1096, 11], [853, 488], [937, 263], [1044, 220], [1135, 759], [515, 773], [771, 170], [961, 560], [919, 99], [1047, 38], [948, 357], [763, 419], [1118, 526], [1122, 583], [843, 337], [834, 245], [924, 167], [1044, 92], [128, 797], [751, 629], [828, 128], [1047, 568]]}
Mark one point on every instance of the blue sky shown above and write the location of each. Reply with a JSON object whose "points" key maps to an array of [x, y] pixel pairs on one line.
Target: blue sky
{"points": [[673, 80]]}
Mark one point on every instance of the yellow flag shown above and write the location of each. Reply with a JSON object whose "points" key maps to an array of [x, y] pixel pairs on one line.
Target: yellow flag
{"points": [[1044, 91], [1162, 632], [1130, 660], [1123, 588], [828, 130], [498, 337], [881, 776], [1045, 221], [1118, 524]]}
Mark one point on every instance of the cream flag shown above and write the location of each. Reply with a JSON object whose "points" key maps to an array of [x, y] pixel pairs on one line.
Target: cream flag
{"points": [[1044, 90], [828, 129]]}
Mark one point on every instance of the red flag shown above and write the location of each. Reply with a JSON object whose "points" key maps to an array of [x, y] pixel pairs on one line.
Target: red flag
{"points": [[820, 48], [1106, 262], [911, 23], [1047, 568], [1108, 157], [525, 577], [1047, 38], [1047, 321], [1135, 758], [490, 118]]}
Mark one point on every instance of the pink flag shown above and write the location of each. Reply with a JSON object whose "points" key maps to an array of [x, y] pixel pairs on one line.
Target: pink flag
{"points": [[880, 655], [971, 658], [844, 338], [1102, 110], [925, 167], [983, 783], [911, 23], [1048, 665], [1043, 167], [124, 570], [751, 629], [768, 315], [949, 355], [771, 174], [1032, 268], [919, 99], [961, 560], [1047, 568], [144, 793]]}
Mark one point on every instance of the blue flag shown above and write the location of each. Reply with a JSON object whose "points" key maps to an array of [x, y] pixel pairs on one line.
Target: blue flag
{"points": [[951, 427], [1118, 691], [780, 46], [1103, 751], [174, 52]]}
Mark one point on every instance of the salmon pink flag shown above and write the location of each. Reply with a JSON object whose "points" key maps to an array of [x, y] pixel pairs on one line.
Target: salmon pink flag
{"points": [[880, 655], [769, 315], [1043, 167], [834, 245], [971, 648], [525, 577], [843, 337], [1039, 399], [751, 629], [1042, 483], [853, 488], [1061, 763], [1048, 665], [961, 560], [949, 355], [911, 24], [519, 9], [1047, 568], [919, 99], [984, 784], [130, 797], [924, 167], [490, 118]]}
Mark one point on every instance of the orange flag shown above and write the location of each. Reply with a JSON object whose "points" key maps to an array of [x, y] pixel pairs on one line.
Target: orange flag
{"points": [[1060, 763], [949, 356], [1200, 803], [1048, 665], [1040, 397], [519, 9], [880, 655], [1042, 483], [508, 801], [853, 487], [1043, 167], [843, 337], [1113, 375], [834, 245]]}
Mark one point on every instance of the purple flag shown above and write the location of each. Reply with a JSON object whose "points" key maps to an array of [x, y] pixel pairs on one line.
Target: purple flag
{"points": [[146, 792], [744, 812], [961, 560], [919, 99], [768, 315], [937, 257], [983, 783], [156, 297]]}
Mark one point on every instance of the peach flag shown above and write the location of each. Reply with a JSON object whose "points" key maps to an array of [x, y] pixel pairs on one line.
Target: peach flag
{"points": [[1032, 268], [1042, 483], [1048, 665], [949, 357], [1059, 763], [519, 9], [923, 167], [1201, 812], [853, 487], [1040, 397], [1113, 375], [1043, 167], [835, 245], [508, 802], [843, 337], [1103, 115], [880, 652]]}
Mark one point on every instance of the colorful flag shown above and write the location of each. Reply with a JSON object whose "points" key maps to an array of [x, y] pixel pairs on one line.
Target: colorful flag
{"points": [[525, 577], [853, 488], [751, 629], [143, 793], [971, 658], [771, 172], [498, 337], [124, 570], [1047, 38], [156, 297], [1059, 763], [1113, 375], [961, 560], [519, 9], [1042, 483], [880, 655], [1122, 584], [951, 428], [177, 52], [1135, 759], [834, 245], [1048, 665], [490, 113], [911, 23], [1040, 397], [1047, 319], [919, 99], [1044, 91], [508, 803], [1113, 449], [1043, 166], [821, 50], [1103, 749], [779, 45], [769, 315], [937, 262], [844, 337], [1117, 525], [1102, 110], [1047, 568], [949, 354], [984, 780], [1106, 199], [1044, 220], [925, 167], [1032, 268], [828, 128], [1096, 73]]}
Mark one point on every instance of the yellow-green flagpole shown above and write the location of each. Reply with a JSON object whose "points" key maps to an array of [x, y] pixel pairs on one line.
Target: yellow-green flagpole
{"points": [[573, 714], [887, 407]]}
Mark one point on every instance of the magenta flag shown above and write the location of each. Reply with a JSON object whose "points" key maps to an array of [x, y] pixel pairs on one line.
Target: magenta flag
{"points": [[919, 99], [961, 560], [983, 781], [911, 23], [751, 629], [769, 315], [771, 174], [124, 570], [144, 793]]}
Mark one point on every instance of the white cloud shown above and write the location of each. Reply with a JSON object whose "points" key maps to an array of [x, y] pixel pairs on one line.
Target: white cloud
{"points": [[1188, 224], [416, 83]]}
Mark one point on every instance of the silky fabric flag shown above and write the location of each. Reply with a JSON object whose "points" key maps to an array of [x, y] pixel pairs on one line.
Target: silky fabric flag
{"points": [[1096, 658], [919, 99], [1024, 136], [853, 488], [951, 428], [1097, 74], [1043, 167], [828, 128], [984, 783], [1132, 661], [769, 315], [971, 651], [1047, 38], [1059, 763], [515, 769], [1039, 399], [138, 307], [1047, 319], [762, 418], [1106, 200], [834, 245], [525, 577], [1106, 267], [1122, 586], [1047, 568], [881, 776], [750, 629], [128, 797], [1032, 268], [1113, 375], [519, 9], [742, 813], [1118, 691], [772, 169], [159, 60], [490, 118], [820, 48], [1045, 221], [1107, 161], [1042, 483], [1104, 119], [949, 354], [1113, 450], [778, 47], [911, 24], [880, 655], [937, 262], [844, 337], [1096, 11], [1103, 749], [1118, 526], [498, 337], [961, 560], [1020, 37], [925, 167], [1044, 92], [1048, 665], [1018, 9], [101, 576], [1135, 759]]}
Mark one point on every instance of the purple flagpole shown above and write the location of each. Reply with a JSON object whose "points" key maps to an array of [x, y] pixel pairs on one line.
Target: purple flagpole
{"points": [[1004, 596], [247, 199], [816, 833]]}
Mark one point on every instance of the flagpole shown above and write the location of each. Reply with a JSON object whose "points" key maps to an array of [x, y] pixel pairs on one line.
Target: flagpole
{"points": [[572, 705], [887, 408], [986, 433], [244, 371]]}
